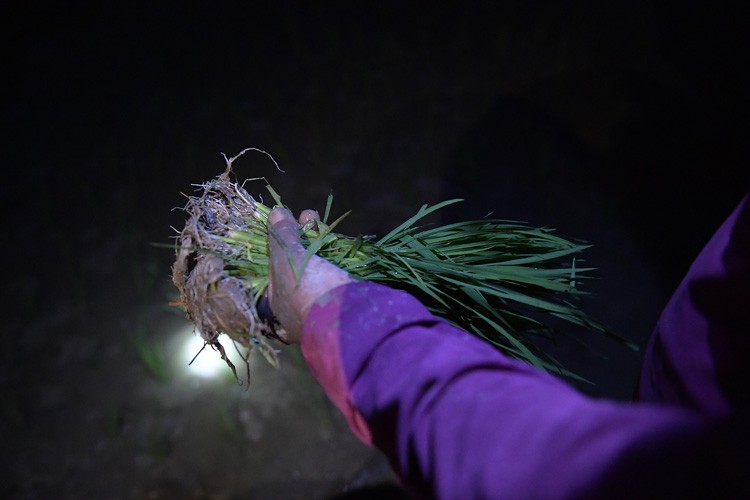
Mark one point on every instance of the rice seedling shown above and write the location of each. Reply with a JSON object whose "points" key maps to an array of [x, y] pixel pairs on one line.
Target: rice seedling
{"points": [[503, 281]]}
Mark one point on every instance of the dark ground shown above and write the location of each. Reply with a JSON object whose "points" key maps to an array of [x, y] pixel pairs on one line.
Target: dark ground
{"points": [[625, 126]]}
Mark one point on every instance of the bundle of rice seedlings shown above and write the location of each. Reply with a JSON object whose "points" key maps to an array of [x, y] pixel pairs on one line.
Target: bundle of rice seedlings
{"points": [[503, 281]]}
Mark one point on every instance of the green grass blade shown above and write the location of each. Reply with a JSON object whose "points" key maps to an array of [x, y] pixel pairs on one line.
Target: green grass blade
{"points": [[422, 213]]}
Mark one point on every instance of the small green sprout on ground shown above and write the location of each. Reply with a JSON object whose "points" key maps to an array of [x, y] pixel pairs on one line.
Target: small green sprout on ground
{"points": [[152, 355], [500, 280]]}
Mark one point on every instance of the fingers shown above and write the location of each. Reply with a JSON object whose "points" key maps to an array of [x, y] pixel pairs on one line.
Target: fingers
{"points": [[291, 296], [285, 252], [283, 231], [308, 215], [281, 214]]}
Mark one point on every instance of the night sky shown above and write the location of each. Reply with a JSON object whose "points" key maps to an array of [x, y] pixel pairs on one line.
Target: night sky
{"points": [[622, 124]]}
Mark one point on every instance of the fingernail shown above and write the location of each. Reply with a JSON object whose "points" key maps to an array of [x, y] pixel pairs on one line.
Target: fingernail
{"points": [[308, 215]]}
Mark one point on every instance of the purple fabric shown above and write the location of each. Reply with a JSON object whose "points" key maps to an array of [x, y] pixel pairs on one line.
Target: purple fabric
{"points": [[695, 358], [457, 419]]}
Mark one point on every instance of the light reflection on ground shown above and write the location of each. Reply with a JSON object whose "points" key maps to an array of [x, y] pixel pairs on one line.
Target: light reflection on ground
{"points": [[206, 363]]}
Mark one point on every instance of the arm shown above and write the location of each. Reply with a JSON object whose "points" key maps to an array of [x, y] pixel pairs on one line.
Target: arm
{"points": [[458, 419], [696, 356]]}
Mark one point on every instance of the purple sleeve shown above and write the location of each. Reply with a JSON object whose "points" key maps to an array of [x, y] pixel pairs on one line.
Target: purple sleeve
{"points": [[697, 355], [457, 419]]}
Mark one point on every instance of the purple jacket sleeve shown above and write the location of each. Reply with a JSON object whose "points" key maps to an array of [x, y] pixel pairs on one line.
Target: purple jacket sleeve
{"points": [[697, 355], [457, 419]]}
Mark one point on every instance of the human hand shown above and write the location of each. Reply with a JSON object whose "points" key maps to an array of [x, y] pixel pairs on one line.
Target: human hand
{"points": [[291, 299]]}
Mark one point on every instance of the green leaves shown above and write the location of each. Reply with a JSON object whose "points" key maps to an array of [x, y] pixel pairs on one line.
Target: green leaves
{"points": [[500, 280], [409, 223]]}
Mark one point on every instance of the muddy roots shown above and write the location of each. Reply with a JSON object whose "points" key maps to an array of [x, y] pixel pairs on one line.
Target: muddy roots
{"points": [[214, 300]]}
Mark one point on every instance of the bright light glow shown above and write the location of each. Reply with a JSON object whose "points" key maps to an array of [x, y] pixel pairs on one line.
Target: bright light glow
{"points": [[208, 364]]}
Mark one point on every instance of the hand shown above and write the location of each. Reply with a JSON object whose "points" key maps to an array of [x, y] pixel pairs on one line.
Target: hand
{"points": [[289, 298]]}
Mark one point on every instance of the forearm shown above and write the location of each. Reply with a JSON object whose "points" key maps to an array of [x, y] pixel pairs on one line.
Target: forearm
{"points": [[455, 417]]}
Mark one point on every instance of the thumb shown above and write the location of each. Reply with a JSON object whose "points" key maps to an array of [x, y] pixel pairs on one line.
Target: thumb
{"points": [[286, 253], [291, 294], [283, 238]]}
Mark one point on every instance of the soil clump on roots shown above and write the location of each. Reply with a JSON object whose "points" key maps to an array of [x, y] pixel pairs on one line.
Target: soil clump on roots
{"points": [[214, 300]]}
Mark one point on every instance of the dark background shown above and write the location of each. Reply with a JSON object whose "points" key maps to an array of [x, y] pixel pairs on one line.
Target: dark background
{"points": [[621, 123]]}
